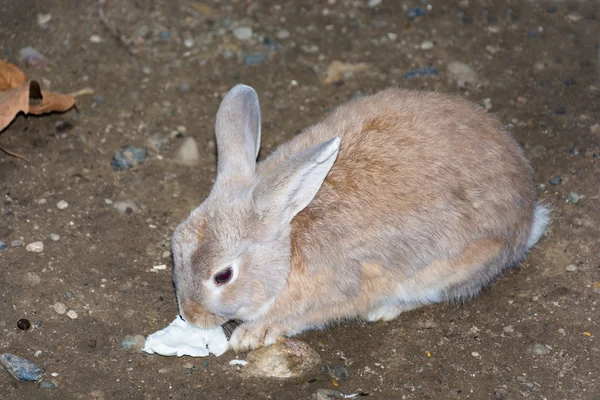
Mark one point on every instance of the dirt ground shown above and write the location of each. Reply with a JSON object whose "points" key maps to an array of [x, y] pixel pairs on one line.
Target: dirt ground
{"points": [[537, 63]]}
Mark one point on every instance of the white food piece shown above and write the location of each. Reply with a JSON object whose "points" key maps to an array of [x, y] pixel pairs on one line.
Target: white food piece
{"points": [[183, 339], [238, 362]]}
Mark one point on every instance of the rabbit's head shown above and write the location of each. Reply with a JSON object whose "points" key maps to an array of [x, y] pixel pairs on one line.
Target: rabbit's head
{"points": [[232, 254]]}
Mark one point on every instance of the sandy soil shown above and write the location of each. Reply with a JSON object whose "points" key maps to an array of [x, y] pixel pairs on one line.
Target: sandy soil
{"points": [[538, 64]]}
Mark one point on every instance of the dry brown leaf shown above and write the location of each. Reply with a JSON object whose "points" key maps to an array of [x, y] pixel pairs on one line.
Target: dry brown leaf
{"points": [[11, 77], [203, 9], [13, 102], [50, 101]]}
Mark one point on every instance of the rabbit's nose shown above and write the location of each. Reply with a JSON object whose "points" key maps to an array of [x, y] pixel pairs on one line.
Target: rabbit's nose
{"points": [[194, 313]]}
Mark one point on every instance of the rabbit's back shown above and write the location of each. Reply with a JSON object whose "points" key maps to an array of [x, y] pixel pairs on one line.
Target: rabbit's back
{"points": [[419, 177]]}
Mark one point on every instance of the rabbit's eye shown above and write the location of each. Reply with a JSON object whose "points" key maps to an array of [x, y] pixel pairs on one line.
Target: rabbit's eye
{"points": [[223, 276]]}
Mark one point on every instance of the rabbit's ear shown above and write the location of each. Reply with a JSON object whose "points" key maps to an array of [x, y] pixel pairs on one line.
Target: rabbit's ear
{"points": [[289, 188], [237, 131]]}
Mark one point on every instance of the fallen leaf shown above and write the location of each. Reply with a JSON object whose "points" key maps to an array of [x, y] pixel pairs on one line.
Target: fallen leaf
{"points": [[12, 102], [338, 70], [50, 101], [11, 77]]}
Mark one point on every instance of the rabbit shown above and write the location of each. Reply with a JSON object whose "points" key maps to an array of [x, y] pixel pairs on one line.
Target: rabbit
{"points": [[394, 201]]}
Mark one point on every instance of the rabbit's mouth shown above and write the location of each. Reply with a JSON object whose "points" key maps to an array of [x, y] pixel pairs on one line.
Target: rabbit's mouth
{"points": [[196, 314]]}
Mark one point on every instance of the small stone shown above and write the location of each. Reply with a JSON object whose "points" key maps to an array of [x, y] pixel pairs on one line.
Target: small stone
{"points": [[35, 247], [425, 71], [286, 359], [164, 35], [16, 243], [571, 268], [133, 343], [31, 279], [43, 19], [540, 350], [161, 267], [374, 3], [242, 33], [339, 372], [415, 12], [24, 324], [127, 207], [560, 111], [95, 39], [55, 237], [595, 128], [72, 314], [508, 329], [60, 308], [427, 45], [108, 202], [156, 142], [166, 254], [47, 385], [37, 353], [487, 104], [475, 354], [2, 245], [184, 87], [282, 34], [188, 153], [462, 74], [573, 198], [21, 368], [557, 180], [327, 394], [562, 331], [128, 157], [61, 205], [253, 59]]}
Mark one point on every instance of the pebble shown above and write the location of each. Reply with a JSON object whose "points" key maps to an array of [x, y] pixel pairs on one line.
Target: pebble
{"points": [[33, 58], [374, 3], [60, 308], [557, 180], [2, 245], [508, 329], [16, 243], [61, 205], [55, 237], [95, 39], [255, 58], [47, 385], [128, 157], [21, 368], [164, 35], [188, 153], [36, 247], [286, 359], [475, 354], [540, 349], [43, 19], [339, 372], [487, 104], [166, 254], [573, 198], [161, 267], [415, 12], [571, 268], [156, 142], [282, 34], [127, 207], [462, 74], [184, 87], [328, 394], [24, 324], [427, 45], [133, 343], [595, 128], [72, 314], [242, 33], [560, 111]]}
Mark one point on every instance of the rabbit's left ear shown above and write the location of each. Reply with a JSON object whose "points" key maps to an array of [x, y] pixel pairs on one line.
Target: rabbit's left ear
{"points": [[237, 130], [288, 189]]}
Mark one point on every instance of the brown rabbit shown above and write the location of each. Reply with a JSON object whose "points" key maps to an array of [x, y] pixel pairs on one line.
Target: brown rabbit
{"points": [[394, 201]]}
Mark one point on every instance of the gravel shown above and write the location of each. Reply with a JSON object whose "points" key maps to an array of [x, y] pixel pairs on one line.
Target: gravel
{"points": [[243, 33], [540, 350], [128, 157], [21, 368], [35, 247], [462, 74], [2, 246], [571, 268], [62, 205], [60, 308]]}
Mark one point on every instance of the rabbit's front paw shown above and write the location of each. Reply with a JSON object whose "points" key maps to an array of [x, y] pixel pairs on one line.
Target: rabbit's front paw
{"points": [[250, 335]]}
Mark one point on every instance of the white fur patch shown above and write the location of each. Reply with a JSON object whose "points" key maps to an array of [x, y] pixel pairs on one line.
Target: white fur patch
{"points": [[541, 217]]}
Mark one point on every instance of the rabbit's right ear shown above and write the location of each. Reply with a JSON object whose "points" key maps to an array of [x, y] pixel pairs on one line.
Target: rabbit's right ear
{"points": [[237, 131]]}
